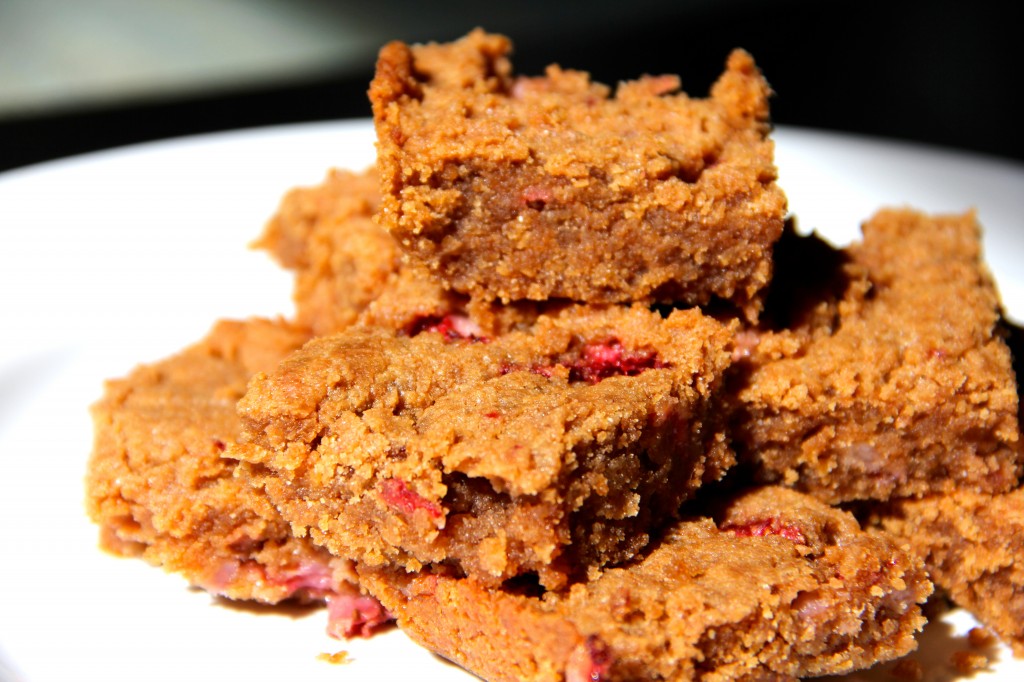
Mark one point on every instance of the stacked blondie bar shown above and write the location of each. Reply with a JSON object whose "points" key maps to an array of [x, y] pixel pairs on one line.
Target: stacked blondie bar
{"points": [[566, 398]]}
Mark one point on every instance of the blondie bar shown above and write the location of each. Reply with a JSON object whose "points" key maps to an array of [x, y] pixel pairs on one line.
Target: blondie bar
{"points": [[342, 260], [551, 187], [159, 488], [973, 546], [888, 376], [548, 451], [776, 586], [349, 270]]}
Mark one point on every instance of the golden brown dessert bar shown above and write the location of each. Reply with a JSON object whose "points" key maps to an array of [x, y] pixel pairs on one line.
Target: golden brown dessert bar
{"points": [[349, 270], [159, 488], [342, 259], [550, 187], [549, 451], [778, 585], [897, 382], [973, 546]]}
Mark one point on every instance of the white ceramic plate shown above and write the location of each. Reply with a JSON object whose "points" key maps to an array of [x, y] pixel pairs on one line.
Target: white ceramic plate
{"points": [[122, 257]]}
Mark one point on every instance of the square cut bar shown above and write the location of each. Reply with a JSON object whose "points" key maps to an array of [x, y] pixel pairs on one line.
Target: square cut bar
{"points": [[897, 382], [157, 484], [349, 270], [777, 586], [545, 452], [551, 187], [159, 488], [973, 547], [342, 259]]}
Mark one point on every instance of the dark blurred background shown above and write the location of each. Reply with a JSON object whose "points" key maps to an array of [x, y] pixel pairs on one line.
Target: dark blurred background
{"points": [[82, 75]]}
